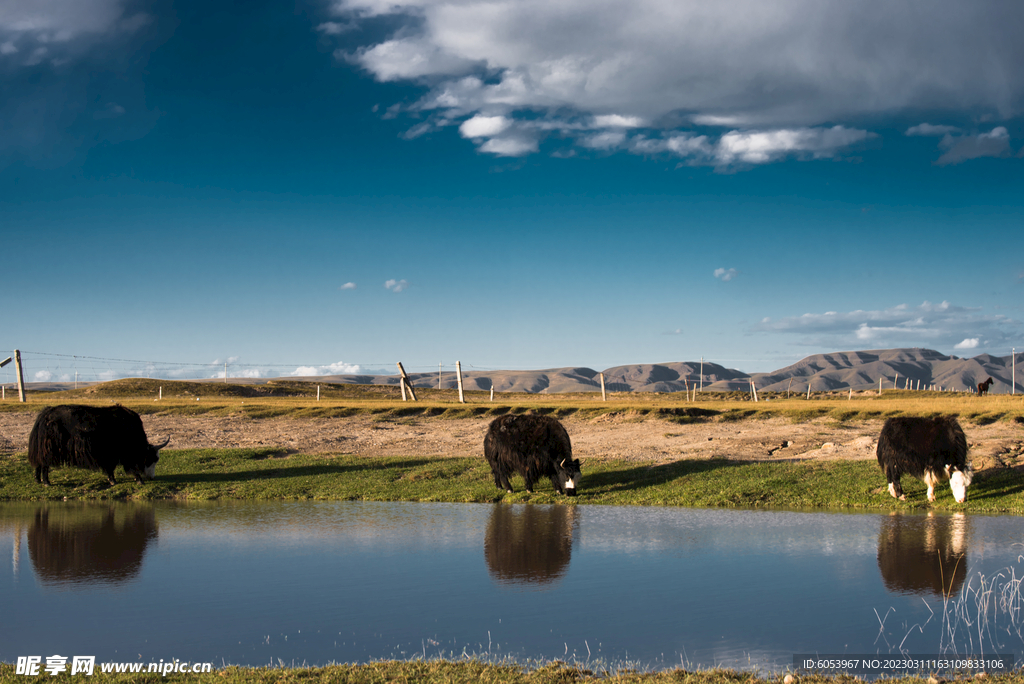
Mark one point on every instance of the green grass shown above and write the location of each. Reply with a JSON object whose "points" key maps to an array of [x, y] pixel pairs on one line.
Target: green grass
{"points": [[265, 474], [270, 474]]}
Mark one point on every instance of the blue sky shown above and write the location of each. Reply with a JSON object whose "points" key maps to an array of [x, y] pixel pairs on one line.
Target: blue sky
{"points": [[326, 185]]}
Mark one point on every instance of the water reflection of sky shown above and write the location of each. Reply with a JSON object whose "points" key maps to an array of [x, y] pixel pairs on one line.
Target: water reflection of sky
{"points": [[353, 581]]}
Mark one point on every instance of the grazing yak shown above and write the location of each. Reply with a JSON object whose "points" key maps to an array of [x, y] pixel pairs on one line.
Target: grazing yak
{"points": [[94, 437], [983, 387], [930, 449], [533, 446]]}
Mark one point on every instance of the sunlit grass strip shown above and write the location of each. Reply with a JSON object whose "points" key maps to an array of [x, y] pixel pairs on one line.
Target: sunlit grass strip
{"points": [[465, 672], [292, 398], [268, 474]]}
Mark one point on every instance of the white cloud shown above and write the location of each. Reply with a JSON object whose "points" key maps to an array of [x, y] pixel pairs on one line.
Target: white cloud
{"points": [[59, 29], [43, 376], [484, 126], [928, 129], [348, 286], [760, 147], [509, 147], [608, 140], [995, 143], [396, 285], [779, 75], [942, 326], [617, 121], [725, 274], [396, 60], [338, 368]]}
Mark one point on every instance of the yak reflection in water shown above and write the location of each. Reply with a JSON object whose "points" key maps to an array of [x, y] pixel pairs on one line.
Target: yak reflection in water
{"points": [[85, 545], [923, 555], [529, 544]]}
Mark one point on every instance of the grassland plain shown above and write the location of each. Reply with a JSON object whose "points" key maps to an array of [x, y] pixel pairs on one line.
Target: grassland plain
{"points": [[748, 467], [745, 463]]}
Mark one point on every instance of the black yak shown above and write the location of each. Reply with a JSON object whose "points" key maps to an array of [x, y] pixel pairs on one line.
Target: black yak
{"points": [[533, 446], [930, 449], [94, 437], [983, 387]]}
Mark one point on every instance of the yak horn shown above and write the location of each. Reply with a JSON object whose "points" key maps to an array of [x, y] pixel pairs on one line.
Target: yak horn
{"points": [[166, 442]]}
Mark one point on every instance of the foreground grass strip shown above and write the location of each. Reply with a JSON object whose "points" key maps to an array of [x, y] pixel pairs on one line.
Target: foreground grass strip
{"points": [[269, 474], [468, 672]]}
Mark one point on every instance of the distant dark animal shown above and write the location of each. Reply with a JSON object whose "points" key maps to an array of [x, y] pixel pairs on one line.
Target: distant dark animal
{"points": [[983, 387], [930, 449], [94, 437], [533, 446]]}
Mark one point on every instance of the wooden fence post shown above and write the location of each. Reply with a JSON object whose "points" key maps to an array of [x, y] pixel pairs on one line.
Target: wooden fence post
{"points": [[21, 375], [405, 383], [808, 388], [458, 373], [604, 397], [3, 388]]}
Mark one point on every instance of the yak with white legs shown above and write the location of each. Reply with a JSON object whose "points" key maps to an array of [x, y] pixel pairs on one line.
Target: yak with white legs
{"points": [[930, 449]]}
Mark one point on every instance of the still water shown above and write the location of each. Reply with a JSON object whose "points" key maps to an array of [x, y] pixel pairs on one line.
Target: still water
{"points": [[314, 583]]}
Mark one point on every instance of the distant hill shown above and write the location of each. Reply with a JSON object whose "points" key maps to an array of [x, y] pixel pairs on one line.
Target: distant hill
{"points": [[859, 370]]}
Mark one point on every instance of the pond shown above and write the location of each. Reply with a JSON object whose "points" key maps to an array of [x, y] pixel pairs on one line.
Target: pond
{"points": [[315, 583]]}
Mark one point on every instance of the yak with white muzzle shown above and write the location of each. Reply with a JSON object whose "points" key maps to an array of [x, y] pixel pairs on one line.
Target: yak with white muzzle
{"points": [[534, 447], [930, 449]]}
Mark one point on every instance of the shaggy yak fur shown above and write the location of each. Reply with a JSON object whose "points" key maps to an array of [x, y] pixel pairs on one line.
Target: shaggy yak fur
{"points": [[533, 446], [930, 449], [93, 437], [983, 387]]}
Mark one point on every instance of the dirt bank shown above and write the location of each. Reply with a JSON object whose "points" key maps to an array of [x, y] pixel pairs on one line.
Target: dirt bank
{"points": [[998, 444]]}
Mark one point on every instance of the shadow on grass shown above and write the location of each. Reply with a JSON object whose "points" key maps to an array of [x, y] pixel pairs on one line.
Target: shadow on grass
{"points": [[995, 485], [642, 477]]}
